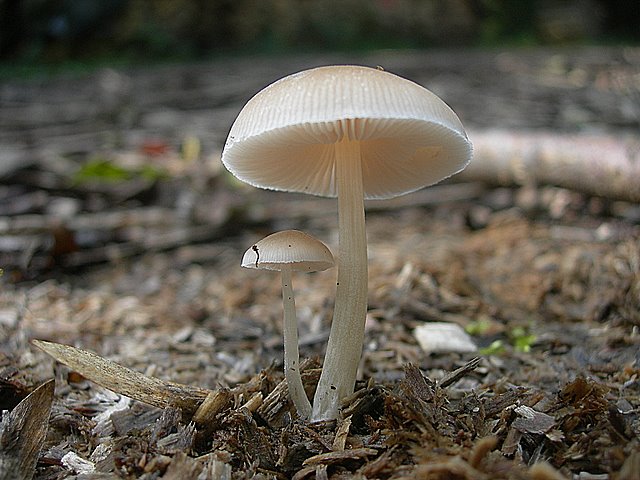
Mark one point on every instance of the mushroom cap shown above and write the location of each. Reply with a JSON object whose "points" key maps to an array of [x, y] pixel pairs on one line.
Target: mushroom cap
{"points": [[292, 248], [283, 137]]}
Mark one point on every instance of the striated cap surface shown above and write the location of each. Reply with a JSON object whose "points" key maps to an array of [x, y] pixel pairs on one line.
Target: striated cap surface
{"points": [[284, 136], [291, 248]]}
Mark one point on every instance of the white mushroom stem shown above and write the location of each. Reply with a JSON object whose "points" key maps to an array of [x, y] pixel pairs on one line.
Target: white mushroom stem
{"points": [[291, 355], [344, 348]]}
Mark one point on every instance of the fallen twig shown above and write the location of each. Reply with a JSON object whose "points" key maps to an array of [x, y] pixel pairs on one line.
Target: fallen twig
{"points": [[122, 380], [596, 164], [452, 377]]}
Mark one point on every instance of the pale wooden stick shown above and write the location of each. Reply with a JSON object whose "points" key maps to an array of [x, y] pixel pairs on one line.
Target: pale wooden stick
{"points": [[597, 164], [122, 380]]}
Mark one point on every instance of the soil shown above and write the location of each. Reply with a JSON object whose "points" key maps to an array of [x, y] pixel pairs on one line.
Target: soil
{"points": [[144, 270]]}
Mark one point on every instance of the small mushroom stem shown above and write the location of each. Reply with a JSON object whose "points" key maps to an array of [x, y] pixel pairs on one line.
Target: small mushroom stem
{"points": [[291, 355], [344, 347]]}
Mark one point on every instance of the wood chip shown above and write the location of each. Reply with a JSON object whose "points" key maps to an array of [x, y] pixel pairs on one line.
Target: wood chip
{"points": [[419, 386], [180, 441], [22, 433], [452, 377], [216, 467], [215, 403], [183, 467], [74, 462], [254, 402], [531, 421], [342, 433], [276, 404], [337, 457], [511, 442]]}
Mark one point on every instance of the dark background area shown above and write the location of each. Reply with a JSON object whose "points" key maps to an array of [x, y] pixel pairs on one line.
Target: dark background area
{"points": [[122, 233], [56, 31]]}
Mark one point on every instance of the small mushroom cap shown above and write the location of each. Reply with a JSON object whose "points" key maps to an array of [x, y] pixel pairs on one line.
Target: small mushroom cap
{"points": [[283, 138], [291, 248]]}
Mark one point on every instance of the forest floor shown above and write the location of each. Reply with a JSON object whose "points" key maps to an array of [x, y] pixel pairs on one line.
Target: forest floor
{"points": [[122, 235]]}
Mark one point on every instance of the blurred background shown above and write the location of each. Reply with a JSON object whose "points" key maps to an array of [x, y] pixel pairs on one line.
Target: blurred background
{"points": [[121, 232], [121, 107], [53, 31]]}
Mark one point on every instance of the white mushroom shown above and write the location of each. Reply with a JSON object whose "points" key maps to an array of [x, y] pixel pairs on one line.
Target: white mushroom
{"points": [[352, 132], [288, 251]]}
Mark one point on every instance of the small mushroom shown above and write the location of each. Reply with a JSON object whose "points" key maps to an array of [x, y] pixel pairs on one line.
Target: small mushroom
{"points": [[352, 132], [288, 251]]}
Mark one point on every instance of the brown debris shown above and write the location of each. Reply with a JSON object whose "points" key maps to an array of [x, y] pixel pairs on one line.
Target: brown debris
{"points": [[342, 433], [631, 466], [480, 450], [276, 406], [417, 385], [545, 279], [530, 421], [544, 471], [340, 456], [214, 403], [183, 467], [23, 432], [452, 377], [453, 468]]}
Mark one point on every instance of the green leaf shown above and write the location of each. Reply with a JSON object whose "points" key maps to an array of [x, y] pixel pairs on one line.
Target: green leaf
{"points": [[496, 348], [101, 170], [106, 171], [478, 327], [522, 340]]}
